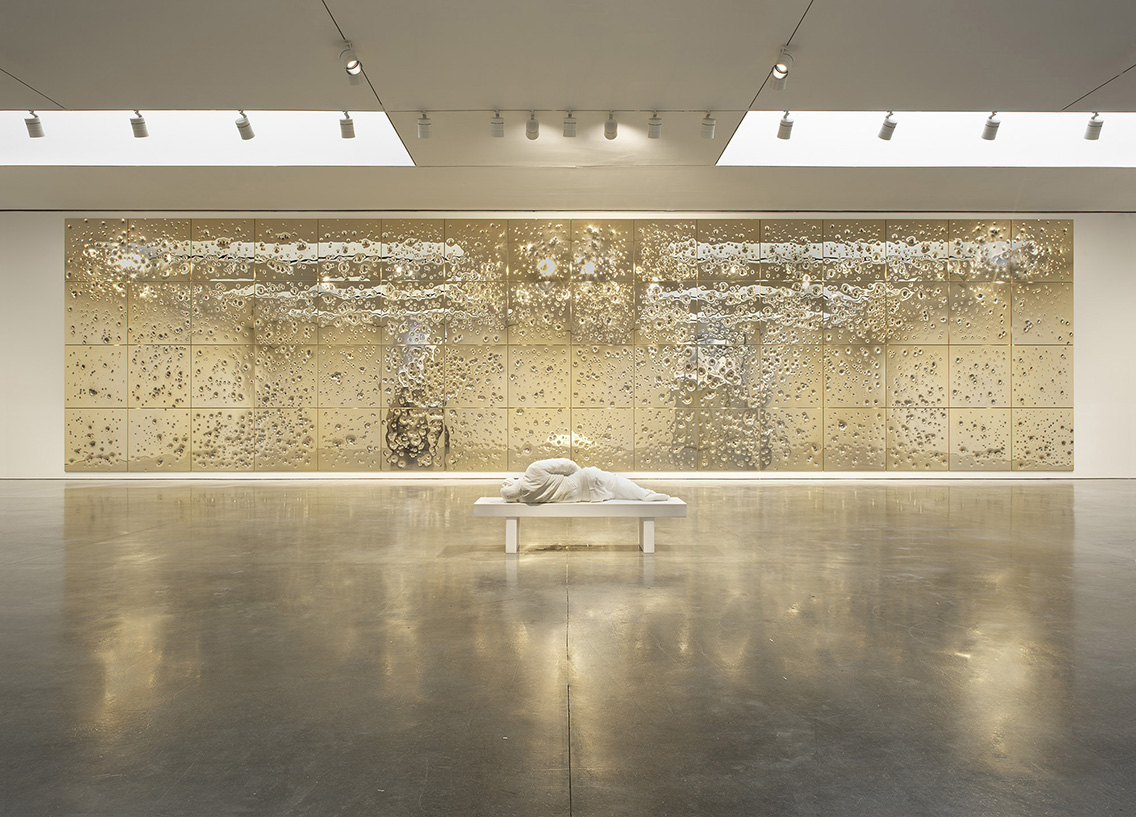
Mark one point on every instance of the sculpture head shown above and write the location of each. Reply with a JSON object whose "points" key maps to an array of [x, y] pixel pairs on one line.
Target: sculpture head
{"points": [[511, 489]]}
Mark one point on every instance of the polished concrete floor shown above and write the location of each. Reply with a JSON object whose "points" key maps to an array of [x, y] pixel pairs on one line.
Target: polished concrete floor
{"points": [[366, 648]]}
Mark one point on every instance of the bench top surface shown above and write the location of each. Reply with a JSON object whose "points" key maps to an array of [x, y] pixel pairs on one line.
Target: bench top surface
{"points": [[496, 506]]}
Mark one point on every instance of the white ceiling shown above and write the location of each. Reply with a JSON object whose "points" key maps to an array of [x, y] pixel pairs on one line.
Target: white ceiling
{"points": [[459, 60]]}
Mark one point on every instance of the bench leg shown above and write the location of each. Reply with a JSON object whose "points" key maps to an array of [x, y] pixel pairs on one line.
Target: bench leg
{"points": [[647, 533], [510, 534]]}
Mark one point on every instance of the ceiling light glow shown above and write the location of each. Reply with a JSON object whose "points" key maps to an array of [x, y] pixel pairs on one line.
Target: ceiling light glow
{"points": [[351, 63], [781, 69]]}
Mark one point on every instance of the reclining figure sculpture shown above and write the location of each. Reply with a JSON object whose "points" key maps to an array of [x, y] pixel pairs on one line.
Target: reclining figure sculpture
{"points": [[561, 480]]}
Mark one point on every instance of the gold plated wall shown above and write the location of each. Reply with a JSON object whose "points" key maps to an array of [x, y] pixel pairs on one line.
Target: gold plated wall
{"points": [[649, 345]]}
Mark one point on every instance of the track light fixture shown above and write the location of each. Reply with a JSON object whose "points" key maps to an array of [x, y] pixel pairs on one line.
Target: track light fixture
{"points": [[351, 63], [424, 126], [1093, 128], [709, 125], [497, 125], [887, 129], [785, 129], [611, 127], [570, 126], [347, 126], [654, 126], [138, 125], [244, 127], [532, 127], [990, 129], [780, 71], [35, 126]]}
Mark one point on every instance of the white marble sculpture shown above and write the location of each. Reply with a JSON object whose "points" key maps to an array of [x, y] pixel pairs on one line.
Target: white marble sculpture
{"points": [[561, 480]]}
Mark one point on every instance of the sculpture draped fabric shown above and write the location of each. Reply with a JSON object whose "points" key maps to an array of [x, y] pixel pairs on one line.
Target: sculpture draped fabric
{"points": [[562, 480]]}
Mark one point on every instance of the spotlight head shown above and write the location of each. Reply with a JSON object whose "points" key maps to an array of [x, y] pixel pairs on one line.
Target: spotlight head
{"points": [[887, 128], [654, 127], [781, 69], [709, 125], [785, 129], [244, 127], [35, 126], [347, 126], [611, 127], [424, 126], [351, 63], [532, 127], [570, 126], [497, 125], [1093, 127], [990, 129], [138, 125]]}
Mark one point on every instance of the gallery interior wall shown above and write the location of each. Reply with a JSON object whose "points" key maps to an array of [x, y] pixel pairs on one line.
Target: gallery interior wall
{"points": [[32, 334]]}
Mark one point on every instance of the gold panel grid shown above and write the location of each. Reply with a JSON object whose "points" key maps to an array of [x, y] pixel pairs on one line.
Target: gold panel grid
{"points": [[980, 376], [413, 377], [1043, 313], [476, 250], [854, 376], [95, 377], [223, 249], [540, 250], [93, 249], [602, 250], [729, 250], [789, 376], [603, 312], [602, 376], [537, 434], [222, 376], [477, 312], [1043, 439], [917, 376], [159, 376], [285, 439], [286, 376], [918, 313], [666, 251], [1043, 249], [286, 250], [350, 376], [666, 376], [729, 439], [159, 440], [539, 376], [855, 439], [350, 250], [1042, 376], [350, 314], [917, 439], [351, 439], [221, 312], [415, 439], [723, 375], [477, 439], [222, 439], [414, 250], [665, 439], [916, 250], [539, 312], [95, 439], [604, 436], [480, 344], [475, 376], [980, 439], [980, 313], [95, 312], [793, 438]]}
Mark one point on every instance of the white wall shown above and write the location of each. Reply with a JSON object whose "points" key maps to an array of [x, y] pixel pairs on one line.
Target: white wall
{"points": [[31, 345]]}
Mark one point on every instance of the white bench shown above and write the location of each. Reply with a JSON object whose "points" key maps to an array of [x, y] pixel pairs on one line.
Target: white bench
{"points": [[645, 512]]}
